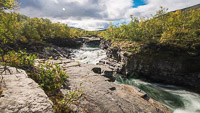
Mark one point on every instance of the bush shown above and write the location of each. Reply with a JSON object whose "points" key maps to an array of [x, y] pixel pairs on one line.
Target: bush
{"points": [[67, 100], [50, 77], [176, 29], [20, 59]]}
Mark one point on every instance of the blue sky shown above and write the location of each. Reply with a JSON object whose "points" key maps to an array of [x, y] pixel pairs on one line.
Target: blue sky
{"points": [[97, 14], [138, 3]]}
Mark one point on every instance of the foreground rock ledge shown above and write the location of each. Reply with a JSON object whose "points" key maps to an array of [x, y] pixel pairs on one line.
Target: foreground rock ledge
{"points": [[22, 95], [102, 96]]}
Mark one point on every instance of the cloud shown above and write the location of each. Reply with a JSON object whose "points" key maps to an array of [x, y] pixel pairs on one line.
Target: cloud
{"points": [[152, 6], [88, 24], [95, 14]]}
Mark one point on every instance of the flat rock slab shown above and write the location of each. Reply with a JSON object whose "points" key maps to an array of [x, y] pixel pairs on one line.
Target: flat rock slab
{"points": [[102, 96], [23, 95]]}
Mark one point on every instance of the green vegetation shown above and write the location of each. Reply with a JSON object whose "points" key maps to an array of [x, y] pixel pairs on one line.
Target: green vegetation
{"points": [[69, 98], [174, 29], [51, 77], [20, 59], [18, 32]]}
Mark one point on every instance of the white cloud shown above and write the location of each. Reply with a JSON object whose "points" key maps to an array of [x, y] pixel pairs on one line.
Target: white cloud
{"points": [[154, 5], [96, 14], [87, 24], [56, 1], [77, 1], [116, 9]]}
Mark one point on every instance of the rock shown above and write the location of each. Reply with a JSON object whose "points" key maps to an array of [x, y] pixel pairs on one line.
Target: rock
{"points": [[106, 72], [157, 63], [71, 64], [105, 44], [55, 52], [65, 42], [100, 95], [96, 70], [112, 88], [112, 64], [146, 97], [109, 74], [93, 41], [22, 95]]}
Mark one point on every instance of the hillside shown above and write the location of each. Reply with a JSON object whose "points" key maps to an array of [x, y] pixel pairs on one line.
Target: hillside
{"points": [[191, 7]]}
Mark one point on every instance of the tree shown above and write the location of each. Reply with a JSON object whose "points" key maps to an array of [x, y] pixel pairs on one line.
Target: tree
{"points": [[6, 4], [7, 27]]}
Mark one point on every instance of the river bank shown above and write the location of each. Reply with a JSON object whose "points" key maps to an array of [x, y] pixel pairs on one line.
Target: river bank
{"points": [[155, 63], [103, 93], [100, 93], [177, 99]]}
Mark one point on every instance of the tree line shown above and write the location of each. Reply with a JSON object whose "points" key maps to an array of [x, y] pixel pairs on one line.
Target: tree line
{"points": [[177, 29], [17, 29]]}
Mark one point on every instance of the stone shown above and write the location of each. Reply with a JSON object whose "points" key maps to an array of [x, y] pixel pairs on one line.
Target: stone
{"points": [[23, 95], [55, 52], [93, 41], [96, 70], [100, 95]]}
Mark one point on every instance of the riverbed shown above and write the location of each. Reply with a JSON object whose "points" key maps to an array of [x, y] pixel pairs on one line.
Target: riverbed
{"points": [[176, 99]]}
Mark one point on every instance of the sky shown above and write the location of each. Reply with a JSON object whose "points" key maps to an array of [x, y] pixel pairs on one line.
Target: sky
{"points": [[97, 14]]}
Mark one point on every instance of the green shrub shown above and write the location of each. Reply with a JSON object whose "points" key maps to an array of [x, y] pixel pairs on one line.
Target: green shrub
{"points": [[50, 76], [176, 29], [69, 98], [20, 59]]}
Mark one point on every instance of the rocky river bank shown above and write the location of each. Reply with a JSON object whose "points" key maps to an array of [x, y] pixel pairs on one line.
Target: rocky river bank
{"points": [[158, 64], [100, 93]]}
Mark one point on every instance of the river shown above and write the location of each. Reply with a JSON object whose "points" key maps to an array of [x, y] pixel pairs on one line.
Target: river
{"points": [[177, 99]]}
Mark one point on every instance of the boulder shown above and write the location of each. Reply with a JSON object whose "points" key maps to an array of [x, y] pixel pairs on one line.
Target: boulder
{"points": [[22, 95]]}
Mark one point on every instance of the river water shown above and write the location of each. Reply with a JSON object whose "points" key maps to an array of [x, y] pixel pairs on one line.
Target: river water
{"points": [[177, 99], [89, 55]]}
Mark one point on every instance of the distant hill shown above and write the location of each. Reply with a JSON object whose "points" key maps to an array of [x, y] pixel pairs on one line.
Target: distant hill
{"points": [[76, 28], [190, 8]]}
